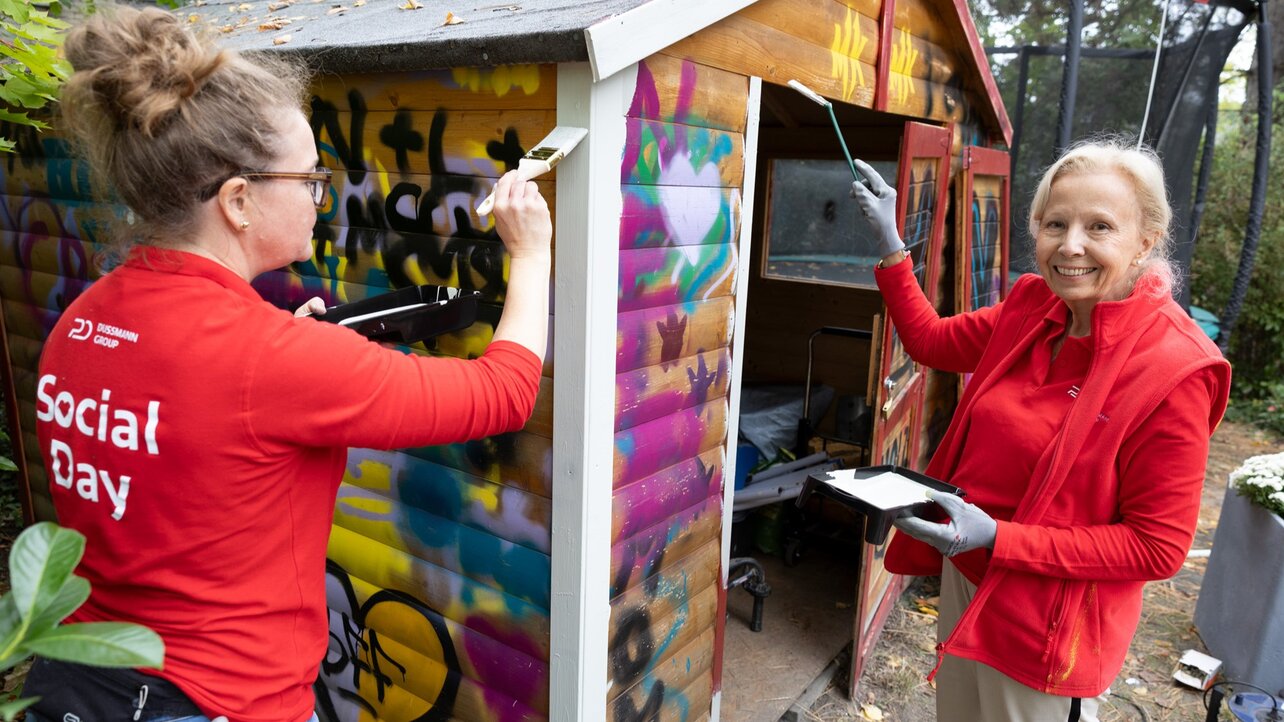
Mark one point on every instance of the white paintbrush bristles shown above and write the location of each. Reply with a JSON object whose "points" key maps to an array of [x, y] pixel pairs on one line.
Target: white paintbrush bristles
{"points": [[541, 159]]}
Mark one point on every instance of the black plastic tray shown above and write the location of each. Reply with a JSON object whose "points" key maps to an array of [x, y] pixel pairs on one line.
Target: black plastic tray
{"points": [[407, 315], [878, 522]]}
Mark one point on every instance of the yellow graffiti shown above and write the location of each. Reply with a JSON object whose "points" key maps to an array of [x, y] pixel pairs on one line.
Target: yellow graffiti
{"points": [[371, 474], [498, 80], [487, 496], [368, 504], [903, 58], [845, 51]]}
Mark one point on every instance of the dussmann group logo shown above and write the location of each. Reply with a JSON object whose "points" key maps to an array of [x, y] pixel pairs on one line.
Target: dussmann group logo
{"points": [[103, 334]]}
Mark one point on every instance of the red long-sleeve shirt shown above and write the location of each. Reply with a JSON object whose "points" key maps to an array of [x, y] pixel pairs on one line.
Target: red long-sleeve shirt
{"points": [[1111, 498], [197, 435]]}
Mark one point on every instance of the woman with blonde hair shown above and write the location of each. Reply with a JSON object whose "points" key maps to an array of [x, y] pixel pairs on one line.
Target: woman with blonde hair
{"points": [[216, 502], [1081, 442]]}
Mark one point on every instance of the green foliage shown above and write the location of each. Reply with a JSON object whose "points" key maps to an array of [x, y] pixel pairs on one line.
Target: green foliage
{"points": [[31, 70], [1265, 413], [43, 592], [1257, 342], [6, 464]]}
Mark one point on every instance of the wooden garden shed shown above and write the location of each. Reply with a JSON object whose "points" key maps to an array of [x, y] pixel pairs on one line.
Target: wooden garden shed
{"points": [[577, 570]]}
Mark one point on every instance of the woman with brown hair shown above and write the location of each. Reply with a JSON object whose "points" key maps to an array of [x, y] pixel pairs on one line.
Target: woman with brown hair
{"points": [[201, 453]]}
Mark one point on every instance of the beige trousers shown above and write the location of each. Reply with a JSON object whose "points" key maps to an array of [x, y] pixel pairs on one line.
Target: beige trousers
{"points": [[968, 691]]}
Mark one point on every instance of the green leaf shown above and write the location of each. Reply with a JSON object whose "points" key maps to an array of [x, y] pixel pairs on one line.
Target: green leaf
{"points": [[69, 598], [102, 644], [41, 32], [50, 21], [6, 464], [7, 146], [10, 626], [10, 709], [40, 562], [19, 10]]}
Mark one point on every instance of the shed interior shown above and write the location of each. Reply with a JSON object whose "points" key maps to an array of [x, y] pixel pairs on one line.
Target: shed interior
{"points": [[811, 266]]}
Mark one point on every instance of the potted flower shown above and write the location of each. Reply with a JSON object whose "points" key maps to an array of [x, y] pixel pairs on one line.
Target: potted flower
{"points": [[1240, 612]]}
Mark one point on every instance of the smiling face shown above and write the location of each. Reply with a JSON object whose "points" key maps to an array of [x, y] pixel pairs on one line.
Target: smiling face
{"points": [[1087, 241]]}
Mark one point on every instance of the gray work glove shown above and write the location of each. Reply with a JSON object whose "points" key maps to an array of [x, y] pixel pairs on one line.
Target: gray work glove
{"points": [[969, 528], [878, 203]]}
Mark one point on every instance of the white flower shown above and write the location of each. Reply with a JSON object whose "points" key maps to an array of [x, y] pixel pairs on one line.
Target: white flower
{"points": [[1261, 479]]}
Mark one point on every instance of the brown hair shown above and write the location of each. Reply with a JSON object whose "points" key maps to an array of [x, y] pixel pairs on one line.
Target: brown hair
{"points": [[163, 116]]}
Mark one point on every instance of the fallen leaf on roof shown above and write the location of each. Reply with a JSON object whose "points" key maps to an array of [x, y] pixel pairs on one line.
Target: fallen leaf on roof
{"points": [[336, 10], [273, 7], [411, 5], [281, 40], [193, 18], [273, 24], [358, 3], [451, 19], [244, 7], [226, 29]]}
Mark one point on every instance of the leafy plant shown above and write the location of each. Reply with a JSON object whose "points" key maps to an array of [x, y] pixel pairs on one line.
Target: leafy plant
{"points": [[1261, 479], [31, 71], [44, 591], [1257, 343], [6, 464], [1266, 412]]}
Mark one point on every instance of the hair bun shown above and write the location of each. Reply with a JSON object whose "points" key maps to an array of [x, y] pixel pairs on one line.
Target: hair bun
{"points": [[140, 65]]}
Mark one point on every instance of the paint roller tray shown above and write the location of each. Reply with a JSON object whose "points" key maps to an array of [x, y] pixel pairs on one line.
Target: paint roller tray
{"points": [[879, 493], [407, 315]]}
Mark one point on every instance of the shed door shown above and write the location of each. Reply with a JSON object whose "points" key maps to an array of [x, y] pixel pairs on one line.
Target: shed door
{"points": [[981, 266], [983, 200], [924, 173]]}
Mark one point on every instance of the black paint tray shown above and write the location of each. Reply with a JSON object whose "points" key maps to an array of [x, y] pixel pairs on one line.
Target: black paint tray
{"points": [[878, 521], [407, 315]]}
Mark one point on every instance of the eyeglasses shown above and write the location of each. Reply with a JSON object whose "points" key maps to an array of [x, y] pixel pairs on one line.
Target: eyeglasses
{"points": [[318, 181]]}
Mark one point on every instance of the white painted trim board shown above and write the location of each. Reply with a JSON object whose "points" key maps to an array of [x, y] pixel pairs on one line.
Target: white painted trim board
{"points": [[589, 206], [622, 40], [752, 110]]}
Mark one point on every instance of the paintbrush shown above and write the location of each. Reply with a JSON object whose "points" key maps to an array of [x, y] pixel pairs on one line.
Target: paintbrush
{"points": [[541, 159], [817, 98]]}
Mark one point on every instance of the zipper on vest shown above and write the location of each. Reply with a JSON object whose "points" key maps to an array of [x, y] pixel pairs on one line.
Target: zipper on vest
{"points": [[940, 659]]}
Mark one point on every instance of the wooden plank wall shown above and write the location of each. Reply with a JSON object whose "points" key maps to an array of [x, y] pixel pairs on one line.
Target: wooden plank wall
{"points": [[439, 565], [439, 568], [831, 46], [681, 177], [926, 76], [50, 233]]}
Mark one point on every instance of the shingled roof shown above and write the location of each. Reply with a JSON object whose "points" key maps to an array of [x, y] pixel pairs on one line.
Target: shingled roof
{"points": [[392, 35]]}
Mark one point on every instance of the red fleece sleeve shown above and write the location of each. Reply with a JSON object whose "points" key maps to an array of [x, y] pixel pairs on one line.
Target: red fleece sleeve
{"points": [[322, 385], [952, 344], [1161, 477]]}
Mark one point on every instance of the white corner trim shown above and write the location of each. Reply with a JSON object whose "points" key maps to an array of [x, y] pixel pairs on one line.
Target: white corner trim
{"points": [[589, 206], [620, 41], [752, 110]]}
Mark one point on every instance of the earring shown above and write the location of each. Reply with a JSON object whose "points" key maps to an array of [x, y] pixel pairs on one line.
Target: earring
{"points": [[245, 224]]}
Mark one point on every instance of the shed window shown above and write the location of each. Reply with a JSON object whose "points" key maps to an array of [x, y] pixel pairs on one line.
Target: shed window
{"points": [[816, 232]]}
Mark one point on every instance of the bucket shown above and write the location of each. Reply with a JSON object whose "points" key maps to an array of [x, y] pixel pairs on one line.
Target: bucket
{"points": [[746, 458]]}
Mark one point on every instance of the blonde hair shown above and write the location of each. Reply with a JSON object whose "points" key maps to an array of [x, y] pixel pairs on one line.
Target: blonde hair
{"points": [[1141, 166], [161, 115]]}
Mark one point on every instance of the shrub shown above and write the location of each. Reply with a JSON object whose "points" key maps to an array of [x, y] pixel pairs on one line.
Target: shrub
{"points": [[1257, 342]]}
